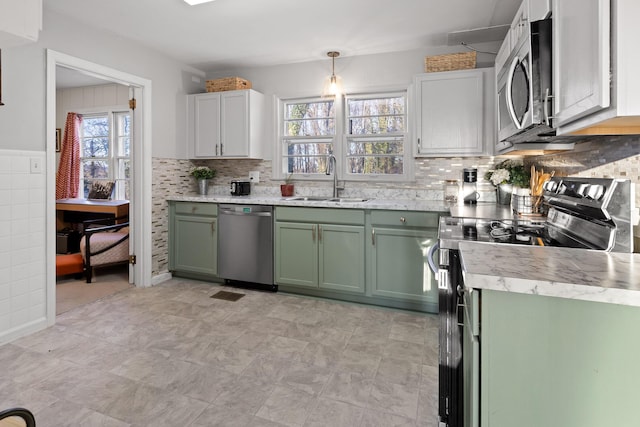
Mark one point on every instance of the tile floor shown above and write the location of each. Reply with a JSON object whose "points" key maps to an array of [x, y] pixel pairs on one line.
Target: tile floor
{"points": [[172, 356]]}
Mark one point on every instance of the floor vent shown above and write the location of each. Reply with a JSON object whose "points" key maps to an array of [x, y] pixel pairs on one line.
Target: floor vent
{"points": [[227, 296]]}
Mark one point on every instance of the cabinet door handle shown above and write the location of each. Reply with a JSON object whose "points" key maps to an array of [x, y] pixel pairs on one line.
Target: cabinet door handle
{"points": [[221, 148], [418, 145], [213, 227], [313, 233], [216, 149], [373, 236], [319, 233]]}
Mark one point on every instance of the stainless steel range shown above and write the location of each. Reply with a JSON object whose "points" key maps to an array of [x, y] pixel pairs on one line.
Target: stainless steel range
{"points": [[586, 213]]}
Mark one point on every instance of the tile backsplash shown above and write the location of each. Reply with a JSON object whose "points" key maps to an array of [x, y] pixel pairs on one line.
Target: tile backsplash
{"points": [[609, 156]]}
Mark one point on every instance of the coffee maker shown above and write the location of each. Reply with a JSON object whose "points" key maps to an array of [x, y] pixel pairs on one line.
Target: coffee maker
{"points": [[470, 193]]}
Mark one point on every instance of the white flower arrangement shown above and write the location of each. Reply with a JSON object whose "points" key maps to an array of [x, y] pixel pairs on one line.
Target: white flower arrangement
{"points": [[500, 176]]}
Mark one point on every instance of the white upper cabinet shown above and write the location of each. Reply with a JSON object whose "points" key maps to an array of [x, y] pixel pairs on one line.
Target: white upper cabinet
{"points": [[454, 112], [225, 125], [596, 64], [20, 22]]}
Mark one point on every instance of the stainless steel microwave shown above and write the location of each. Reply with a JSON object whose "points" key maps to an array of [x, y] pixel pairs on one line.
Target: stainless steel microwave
{"points": [[524, 88]]}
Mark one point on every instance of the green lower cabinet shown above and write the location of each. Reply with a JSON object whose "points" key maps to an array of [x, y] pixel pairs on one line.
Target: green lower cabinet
{"points": [[558, 362], [296, 254], [193, 239], [322, 256], [341, 257], [398, 264], [195, 246]]}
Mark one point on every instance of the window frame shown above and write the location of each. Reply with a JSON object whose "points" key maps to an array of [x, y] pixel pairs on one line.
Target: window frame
{"points": [[407, 158], [341, 139], [281, 137], [119, 192]]}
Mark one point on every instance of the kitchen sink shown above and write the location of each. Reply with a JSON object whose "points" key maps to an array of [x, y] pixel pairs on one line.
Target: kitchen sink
{"points": [[310, 199], [327, 199], [349, 200]]}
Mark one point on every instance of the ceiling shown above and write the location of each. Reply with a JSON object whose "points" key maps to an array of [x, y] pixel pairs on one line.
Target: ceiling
{"points": [[227, 34]]}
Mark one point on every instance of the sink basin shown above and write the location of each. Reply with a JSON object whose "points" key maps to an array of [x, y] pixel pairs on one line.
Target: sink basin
{"points": [[349, 200], [327, 199], [310, 199]]}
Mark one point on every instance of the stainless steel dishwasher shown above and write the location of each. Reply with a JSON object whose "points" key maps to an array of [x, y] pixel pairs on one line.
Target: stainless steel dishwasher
{"points": [[245, 243]]}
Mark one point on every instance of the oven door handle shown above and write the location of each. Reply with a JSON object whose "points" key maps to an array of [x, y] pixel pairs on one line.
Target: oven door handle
{"points": [[509, 99], [432, 265]]}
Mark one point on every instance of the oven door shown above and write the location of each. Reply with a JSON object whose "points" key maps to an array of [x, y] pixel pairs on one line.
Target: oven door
{"points": [[514, 95]]}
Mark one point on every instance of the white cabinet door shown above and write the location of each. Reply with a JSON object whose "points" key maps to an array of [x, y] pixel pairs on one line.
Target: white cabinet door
{"points": [[225, 124], [581, 58], [234, 137], [450, 113], [207, 125]]}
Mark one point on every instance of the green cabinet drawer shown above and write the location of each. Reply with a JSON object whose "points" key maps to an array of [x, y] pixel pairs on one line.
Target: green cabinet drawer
{"points": [[405, 218], [196, 208], [320, 215]]}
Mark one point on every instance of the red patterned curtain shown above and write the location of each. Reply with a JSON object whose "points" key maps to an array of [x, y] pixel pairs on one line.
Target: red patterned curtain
{"points": [[68, 176]]}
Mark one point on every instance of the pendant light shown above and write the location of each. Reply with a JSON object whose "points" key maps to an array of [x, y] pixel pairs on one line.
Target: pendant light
{"points": [[333, 83], [195, 2]]}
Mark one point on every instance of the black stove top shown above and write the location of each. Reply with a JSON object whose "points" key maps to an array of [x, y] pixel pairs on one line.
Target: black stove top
{"points": [[584, 213]]}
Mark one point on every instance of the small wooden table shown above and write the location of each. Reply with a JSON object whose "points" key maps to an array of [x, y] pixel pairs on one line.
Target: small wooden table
{"points": [[117, 208]]}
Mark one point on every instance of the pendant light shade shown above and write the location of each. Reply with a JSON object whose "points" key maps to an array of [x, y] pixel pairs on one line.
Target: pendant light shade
{"points": [[333, 83], [195, 2]]}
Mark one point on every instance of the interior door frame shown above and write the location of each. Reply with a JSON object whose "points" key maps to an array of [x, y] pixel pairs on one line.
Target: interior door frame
{"points": [[141, 206]]}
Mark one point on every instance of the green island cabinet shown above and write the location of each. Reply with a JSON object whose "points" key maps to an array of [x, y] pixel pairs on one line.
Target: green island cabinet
{"points": [[552, 362], [193, 239], [397, 246], [319, 249]]}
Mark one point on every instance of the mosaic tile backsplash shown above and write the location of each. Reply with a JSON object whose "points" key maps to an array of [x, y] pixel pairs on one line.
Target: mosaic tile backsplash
{"points": [[610, 156]]}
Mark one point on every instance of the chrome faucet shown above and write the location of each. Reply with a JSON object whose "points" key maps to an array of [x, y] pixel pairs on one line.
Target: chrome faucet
{"points": [[331, 167]]}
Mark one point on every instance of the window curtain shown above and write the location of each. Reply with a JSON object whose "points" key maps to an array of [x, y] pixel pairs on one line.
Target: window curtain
{"points": [[68, 176]]}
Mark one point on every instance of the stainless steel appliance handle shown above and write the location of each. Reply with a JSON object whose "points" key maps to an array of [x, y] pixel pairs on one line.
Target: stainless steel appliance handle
{"points": [[512, 111], [226, 212], [432, 265], [547, 99]]}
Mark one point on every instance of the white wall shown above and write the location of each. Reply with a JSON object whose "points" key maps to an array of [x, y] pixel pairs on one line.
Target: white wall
{"points": [[22, 119], [22, 137], [382, 72]]}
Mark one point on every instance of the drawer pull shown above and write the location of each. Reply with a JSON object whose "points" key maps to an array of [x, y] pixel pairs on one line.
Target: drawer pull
{"points": [[194, 209], [403, 220]]}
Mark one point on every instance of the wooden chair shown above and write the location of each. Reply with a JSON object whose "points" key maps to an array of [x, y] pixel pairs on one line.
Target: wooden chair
{"points": [[17, 417], [104, 245]]}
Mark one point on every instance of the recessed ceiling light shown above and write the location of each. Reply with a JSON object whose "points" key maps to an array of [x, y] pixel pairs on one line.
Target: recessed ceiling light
{"points": [[195, 2]]}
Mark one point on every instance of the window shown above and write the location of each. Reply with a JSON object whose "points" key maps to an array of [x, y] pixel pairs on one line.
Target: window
{"points": [[308, 133], [105, 151], [375, 133]]}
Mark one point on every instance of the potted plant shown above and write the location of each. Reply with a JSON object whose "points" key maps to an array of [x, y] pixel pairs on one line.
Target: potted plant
{"points": [[203, 174], [287, 188], [506, 175]]}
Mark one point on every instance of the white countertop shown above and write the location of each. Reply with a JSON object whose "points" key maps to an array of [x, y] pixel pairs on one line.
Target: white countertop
{"points": [[395, 204], [557, 272]]}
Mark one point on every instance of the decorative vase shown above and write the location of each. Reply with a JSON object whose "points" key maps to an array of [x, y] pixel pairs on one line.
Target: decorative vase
{"points": [[503, 194], [203, 187], [286, 190]]}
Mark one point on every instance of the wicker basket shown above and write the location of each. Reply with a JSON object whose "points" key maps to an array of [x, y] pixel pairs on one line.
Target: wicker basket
{"points": [[228, 83], [528, 205], [450, 62]]}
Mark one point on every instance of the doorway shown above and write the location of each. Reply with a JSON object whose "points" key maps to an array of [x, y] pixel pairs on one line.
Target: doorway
{"points": [[62, 67]]}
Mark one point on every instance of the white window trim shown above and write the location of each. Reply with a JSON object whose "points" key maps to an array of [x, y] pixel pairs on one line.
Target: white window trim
{"points": [[340, 140], [109, 111], [277, 169]]}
